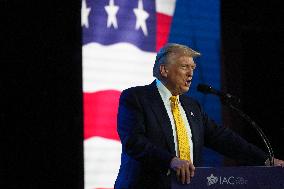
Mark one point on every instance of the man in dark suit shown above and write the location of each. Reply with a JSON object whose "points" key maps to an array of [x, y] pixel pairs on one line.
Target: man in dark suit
{"points": [[150, 127]]}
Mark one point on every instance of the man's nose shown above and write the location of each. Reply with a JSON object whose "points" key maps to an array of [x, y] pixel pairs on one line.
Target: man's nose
{"points": [[190, 72]]}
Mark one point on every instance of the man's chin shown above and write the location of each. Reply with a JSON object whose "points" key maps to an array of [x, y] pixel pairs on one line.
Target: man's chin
{"points": [[185, 89]]}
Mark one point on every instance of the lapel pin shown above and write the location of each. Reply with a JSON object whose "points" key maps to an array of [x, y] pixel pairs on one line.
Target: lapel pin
{"points": [[191, 114]]}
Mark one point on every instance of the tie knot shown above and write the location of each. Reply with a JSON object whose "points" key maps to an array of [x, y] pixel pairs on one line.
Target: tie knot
{"points": [[174, 99]]}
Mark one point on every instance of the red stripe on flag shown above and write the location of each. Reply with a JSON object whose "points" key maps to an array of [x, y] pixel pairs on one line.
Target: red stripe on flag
{"points": [[163, 29], [100, 111]]}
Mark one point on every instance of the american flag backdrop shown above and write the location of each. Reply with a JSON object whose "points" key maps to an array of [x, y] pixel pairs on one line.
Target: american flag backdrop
{"points": [[120, 39]]}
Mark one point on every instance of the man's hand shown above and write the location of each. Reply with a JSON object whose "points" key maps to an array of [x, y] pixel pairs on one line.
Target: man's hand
{"points": [[277, 162], [184, 169]]}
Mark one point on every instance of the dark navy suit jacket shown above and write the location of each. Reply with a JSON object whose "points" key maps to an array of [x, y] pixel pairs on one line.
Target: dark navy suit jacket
{"points": [[148, 144]]}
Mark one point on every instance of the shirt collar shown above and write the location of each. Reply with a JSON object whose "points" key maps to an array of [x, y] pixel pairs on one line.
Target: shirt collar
{"points": [[165, 93]]}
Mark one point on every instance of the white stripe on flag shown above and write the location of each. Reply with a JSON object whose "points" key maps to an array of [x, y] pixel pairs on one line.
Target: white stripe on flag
{"points": [[117, 66], [102, 160], [166, 6]]}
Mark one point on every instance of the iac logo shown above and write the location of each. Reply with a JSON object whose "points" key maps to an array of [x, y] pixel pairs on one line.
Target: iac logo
{"points": [[230, 180], [212, 180]]}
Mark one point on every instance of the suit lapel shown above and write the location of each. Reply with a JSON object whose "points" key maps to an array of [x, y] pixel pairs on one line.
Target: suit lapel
{"points": [[160, 111], [193, 126]]}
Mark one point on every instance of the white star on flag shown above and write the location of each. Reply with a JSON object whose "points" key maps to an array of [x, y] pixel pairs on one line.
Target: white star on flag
{"points": [[111, 10], [85, 11], [141, 16]]}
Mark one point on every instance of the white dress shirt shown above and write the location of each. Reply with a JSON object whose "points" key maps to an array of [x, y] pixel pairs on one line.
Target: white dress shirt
{"points": [[165, 95]]}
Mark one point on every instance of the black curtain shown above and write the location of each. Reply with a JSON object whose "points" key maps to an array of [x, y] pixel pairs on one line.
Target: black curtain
{"points": [[41, 95], [252, 48]]}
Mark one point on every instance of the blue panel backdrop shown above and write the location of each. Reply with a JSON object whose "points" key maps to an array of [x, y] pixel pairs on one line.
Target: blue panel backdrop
{"points": [[197, 24]]}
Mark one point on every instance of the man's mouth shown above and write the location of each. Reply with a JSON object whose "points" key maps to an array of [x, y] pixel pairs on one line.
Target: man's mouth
{"points": [[188, 82]]}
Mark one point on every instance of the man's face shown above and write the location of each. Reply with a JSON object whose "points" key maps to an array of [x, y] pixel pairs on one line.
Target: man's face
{"points": [[178, 74]]}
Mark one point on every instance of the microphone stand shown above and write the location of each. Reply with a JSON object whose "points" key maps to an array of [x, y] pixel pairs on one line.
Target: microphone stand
{"points": [[254, 125]]}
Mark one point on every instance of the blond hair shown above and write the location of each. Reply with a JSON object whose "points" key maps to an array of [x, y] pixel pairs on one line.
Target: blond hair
{"points": [[168, 51]]}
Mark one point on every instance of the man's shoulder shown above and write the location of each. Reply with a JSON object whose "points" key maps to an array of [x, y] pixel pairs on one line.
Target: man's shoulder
{"points": [[139, 89], [135, 88], [137, 92]]}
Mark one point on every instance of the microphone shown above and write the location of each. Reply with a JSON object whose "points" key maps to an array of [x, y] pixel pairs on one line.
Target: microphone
{"points": [[206, 89]]}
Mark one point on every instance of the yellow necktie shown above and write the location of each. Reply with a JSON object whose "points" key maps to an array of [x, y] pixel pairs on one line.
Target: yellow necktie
{"points": [[182, 136]]}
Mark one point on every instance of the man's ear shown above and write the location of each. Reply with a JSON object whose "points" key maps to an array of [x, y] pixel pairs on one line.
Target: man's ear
{"points": [[163, 70]]}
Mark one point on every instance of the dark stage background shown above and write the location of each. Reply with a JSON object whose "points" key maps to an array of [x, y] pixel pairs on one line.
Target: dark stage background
{"points": [[41, 95], [252, 57], [41, 86]]}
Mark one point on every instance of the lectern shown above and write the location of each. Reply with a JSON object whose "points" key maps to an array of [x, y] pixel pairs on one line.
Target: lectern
{"points": [[234, 178]]}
